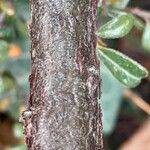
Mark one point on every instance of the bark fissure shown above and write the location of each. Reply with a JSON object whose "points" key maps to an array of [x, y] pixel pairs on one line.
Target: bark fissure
{"points": [[63, 111]]}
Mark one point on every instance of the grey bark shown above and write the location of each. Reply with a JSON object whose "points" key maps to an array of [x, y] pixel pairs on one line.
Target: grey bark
{"points": [[63, 111]]}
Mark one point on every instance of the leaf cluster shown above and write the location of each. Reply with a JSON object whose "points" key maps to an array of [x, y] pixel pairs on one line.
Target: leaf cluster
{"points": [[123, 68]]}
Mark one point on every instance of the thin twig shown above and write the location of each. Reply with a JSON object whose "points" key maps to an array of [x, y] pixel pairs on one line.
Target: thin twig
{"points": [[104, 4], [137, 100], [141, 13]]}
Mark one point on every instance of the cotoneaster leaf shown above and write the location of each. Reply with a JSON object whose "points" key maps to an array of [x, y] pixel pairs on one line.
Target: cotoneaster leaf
{"points": [[126, 70], [138, 23], [3, 50], [116, 28], [146, 38]]}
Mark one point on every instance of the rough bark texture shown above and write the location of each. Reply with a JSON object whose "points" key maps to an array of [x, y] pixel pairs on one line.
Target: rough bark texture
{"points": [[63, 111]]}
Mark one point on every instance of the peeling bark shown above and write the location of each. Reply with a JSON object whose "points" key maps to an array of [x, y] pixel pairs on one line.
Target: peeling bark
{"points": [[63, 111]]}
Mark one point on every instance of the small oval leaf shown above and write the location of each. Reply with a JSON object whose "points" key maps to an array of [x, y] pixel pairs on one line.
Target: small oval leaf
{"points": [[146, 37], [18, 130], [126, 70], [6, 33], [3, 45], [116, 28], [138, 23], [3, 50]]}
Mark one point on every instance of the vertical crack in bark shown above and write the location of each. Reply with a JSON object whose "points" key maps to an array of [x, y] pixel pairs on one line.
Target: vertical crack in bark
{"points": [[63, 111]]}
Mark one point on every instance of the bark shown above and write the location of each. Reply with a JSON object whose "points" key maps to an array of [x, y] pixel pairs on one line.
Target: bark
{"points": [[63, 111]]}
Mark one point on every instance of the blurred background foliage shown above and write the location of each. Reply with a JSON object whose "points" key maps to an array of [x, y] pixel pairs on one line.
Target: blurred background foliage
{"points": [[121, 116], [14, 71]]}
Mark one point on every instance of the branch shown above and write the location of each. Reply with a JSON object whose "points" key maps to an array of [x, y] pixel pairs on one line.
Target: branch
{"points": [[137, 100], [145, 15]]}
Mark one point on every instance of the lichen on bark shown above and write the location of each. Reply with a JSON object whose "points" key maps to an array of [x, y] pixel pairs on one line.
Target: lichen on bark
{"points": [[63, 111]]}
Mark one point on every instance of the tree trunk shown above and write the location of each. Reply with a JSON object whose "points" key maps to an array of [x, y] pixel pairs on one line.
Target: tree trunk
{"points": [[63, 111]]}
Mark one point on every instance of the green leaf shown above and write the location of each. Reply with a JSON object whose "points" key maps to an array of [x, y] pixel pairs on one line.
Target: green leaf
{"points": [[22, 9], [18, 130], [116, 28], [138, 23], [19, 147], [9, 81], [110, 87], [3, 50], [7, 33], [3, 45], [126, 70], [1, 86], [146, 38]]}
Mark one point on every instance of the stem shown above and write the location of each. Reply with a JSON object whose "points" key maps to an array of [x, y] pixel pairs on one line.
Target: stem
{"points": [[141, 13], [137, 101], [63, 111]]}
